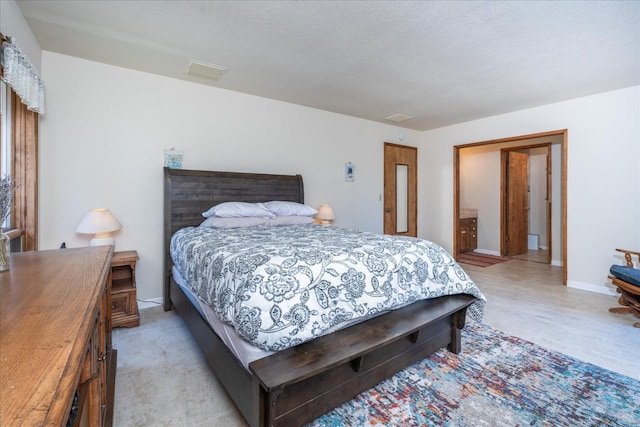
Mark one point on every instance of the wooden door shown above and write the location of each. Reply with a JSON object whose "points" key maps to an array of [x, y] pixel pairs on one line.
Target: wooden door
{"points": [[516, 202], [400, 190]]}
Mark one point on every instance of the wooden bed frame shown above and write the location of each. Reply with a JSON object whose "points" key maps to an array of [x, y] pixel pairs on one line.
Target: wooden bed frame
{"points": [[297, 385]]}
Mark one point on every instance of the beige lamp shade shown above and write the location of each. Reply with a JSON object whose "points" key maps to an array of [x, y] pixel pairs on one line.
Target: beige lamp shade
{"points": [[101, 223], [325, 214]]}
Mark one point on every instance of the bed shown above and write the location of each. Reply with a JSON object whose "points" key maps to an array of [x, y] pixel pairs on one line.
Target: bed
{"points": [[298, 384]]}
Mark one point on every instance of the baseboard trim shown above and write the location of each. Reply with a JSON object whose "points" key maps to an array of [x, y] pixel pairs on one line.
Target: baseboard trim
{"points": [[600, 289], [148, 303]]}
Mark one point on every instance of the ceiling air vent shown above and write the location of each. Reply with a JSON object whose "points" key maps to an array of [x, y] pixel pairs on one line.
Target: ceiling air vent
{"points": [[202, 69], [398, 117]]}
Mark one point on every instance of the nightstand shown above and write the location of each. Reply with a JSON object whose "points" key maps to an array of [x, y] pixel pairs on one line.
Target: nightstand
{"points": [[124, 306]]}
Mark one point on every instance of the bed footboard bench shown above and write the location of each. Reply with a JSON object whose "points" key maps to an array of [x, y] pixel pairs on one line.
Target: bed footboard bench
{"points": [[297, 385], [302, 383]]}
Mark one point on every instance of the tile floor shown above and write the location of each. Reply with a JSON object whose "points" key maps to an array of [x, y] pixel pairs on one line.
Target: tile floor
{"points": [[162, 379]]}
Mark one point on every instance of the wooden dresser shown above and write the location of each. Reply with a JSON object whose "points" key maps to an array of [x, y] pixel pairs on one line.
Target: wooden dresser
{"points": [[55, 338], [468, 234]]}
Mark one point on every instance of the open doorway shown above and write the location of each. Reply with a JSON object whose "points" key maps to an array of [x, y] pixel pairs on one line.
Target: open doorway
{"points": [[526, 213], [488, 221]]}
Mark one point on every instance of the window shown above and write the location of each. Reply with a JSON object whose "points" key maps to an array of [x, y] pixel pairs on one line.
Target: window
{"points": [[19, 151], [19, 159], [5, 137]]}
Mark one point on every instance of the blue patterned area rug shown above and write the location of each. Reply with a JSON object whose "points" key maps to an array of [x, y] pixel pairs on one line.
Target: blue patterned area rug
{"points": [[497, 380]]}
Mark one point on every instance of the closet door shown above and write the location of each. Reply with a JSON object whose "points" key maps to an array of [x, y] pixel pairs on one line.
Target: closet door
{"points": [[400, 190]]}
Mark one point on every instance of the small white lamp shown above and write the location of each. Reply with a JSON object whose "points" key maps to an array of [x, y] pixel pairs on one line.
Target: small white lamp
{"points": [[101, 223], [325, 215]]}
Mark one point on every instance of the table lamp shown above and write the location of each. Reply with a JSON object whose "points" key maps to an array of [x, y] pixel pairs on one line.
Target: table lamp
{"points": [[101, 223], [325, 215]]}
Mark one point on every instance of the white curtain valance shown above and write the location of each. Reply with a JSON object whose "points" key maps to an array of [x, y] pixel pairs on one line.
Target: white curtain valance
{"points": [[23, 77]]}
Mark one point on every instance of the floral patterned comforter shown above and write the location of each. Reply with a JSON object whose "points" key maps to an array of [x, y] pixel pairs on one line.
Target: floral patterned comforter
{"points": [[281, 286]]}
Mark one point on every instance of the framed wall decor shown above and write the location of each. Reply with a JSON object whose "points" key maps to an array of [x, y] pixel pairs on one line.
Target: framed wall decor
{"points": [[173, 158], [349, 172]]}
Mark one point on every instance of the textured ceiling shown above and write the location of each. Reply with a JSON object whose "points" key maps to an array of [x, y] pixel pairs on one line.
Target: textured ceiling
{"points": [[442, 62]]}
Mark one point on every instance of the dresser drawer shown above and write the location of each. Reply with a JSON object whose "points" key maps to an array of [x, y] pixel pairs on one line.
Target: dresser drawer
{"points": [[124, 309], [119, 305]]}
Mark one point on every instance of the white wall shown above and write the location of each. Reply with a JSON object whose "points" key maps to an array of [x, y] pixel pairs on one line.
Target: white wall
{"points": [[603, 176], [480, 189], [102, 142], [13, 24]]}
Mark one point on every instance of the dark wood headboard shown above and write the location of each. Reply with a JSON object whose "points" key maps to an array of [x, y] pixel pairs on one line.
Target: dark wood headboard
{"points": [[188, 193]]}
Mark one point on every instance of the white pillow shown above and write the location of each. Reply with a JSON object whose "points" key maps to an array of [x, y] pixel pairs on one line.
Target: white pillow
{"points": [[290, 220], [218, 222], [238, 210], [282, 208]]}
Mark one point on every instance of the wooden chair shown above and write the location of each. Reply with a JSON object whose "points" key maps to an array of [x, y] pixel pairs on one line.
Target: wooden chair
{"points": [[628, 282]]}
